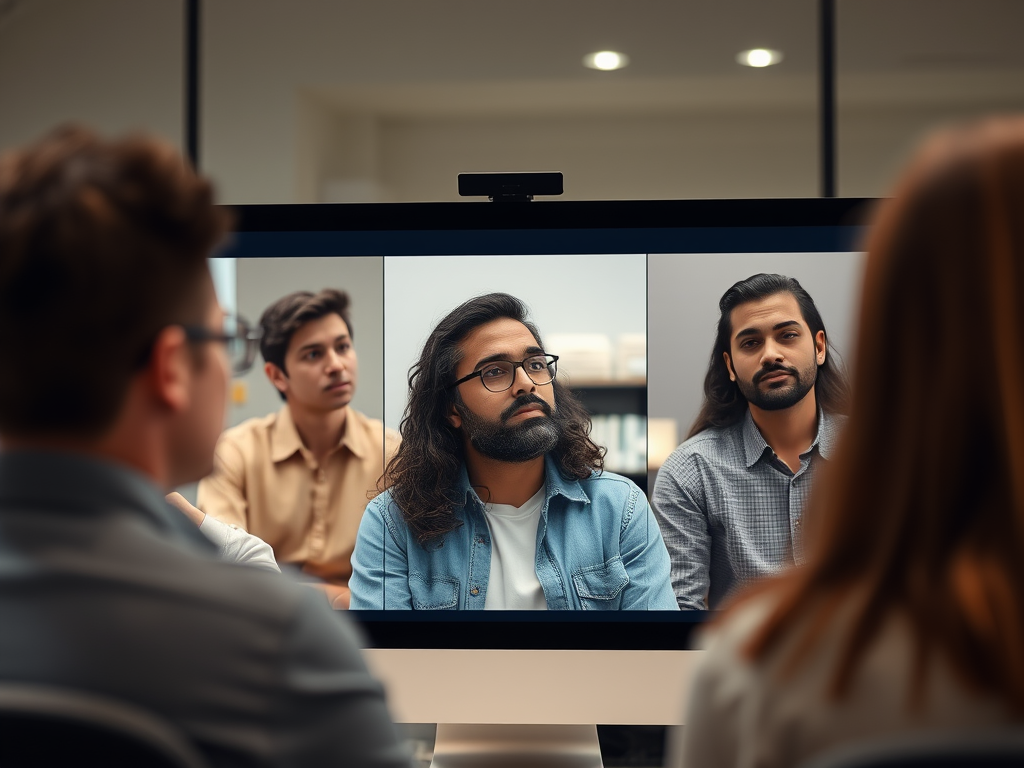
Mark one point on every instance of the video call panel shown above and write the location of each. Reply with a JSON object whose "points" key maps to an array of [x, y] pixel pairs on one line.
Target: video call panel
{"points": [[633, 332], [683, 294]]}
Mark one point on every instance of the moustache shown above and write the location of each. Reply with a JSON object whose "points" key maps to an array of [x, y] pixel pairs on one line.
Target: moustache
{"points": [[522, 401], [775, 369]]}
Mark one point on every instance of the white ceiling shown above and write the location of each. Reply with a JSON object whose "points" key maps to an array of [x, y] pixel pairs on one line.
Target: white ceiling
{"points": [[399, 57]]}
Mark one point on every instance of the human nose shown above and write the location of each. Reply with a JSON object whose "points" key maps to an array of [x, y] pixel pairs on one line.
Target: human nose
{"points": [[521, 382], [335, 362], [771, 353]]}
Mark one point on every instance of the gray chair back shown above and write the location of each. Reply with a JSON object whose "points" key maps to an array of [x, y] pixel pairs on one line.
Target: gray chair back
{"points": [[1002, 748], [50, 726]]}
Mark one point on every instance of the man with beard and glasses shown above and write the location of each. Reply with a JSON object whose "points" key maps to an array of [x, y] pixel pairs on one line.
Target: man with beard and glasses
{"points": [[496, 498], [730, 499]]}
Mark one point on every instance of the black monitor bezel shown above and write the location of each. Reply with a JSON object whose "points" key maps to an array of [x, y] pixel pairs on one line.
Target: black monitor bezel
{"points": [[653, 219]]}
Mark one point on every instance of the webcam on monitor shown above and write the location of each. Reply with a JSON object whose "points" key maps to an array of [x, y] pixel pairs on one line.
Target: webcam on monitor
{"points": [[510, 187]]}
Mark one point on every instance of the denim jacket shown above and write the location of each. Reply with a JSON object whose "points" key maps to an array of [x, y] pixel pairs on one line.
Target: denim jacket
{"points": [[598, 548]]}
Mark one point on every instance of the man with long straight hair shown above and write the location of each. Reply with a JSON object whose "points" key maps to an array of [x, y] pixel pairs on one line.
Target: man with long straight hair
{"points": [[496, 498], [730, 499], [113, 391]]}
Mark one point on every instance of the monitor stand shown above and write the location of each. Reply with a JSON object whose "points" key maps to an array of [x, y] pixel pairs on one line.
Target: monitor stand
{"points": [[512, 746], [486, 700]]}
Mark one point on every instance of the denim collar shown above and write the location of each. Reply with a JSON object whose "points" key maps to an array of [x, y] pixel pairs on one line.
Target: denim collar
{"points": [[754, 446], [555, 485]]}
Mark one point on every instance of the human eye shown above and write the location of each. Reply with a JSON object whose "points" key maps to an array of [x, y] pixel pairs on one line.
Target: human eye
{"points": [[313, 354], [493, 371], [749, 343], [537, 363], [343, 348]]}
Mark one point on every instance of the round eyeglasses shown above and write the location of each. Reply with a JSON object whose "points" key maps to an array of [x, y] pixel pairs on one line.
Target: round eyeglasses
{"points": [[241, 340], [499, 375]]}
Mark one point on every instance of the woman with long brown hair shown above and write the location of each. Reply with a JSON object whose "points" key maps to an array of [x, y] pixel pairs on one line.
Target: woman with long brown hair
{"points": [[909, 612]]}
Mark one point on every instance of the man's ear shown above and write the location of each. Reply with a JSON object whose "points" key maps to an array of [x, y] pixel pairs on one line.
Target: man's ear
{"points": [[728, 366], [277, 377], [454, 419], [820, 347], [169, 372]]}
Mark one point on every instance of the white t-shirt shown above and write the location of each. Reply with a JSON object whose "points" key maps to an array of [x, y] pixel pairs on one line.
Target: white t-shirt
{"points": [[512, 584]]}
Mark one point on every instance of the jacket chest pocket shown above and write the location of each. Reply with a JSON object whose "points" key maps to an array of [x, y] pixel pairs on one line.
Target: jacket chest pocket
{"points": [[433, 594], [599, 587]]}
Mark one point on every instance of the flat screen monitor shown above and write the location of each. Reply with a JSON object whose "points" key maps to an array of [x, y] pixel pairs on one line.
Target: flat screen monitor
{"points": [[626, 293]]}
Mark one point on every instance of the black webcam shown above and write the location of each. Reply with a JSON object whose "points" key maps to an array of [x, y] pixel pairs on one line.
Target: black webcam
{"points": [[510, 187]]}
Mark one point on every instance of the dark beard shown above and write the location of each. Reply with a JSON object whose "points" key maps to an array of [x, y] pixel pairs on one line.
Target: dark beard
{"points": [[778, 399], [514, 444]]}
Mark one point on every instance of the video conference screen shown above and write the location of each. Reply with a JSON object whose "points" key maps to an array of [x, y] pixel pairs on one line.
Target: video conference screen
{"points": [[633, 330]]}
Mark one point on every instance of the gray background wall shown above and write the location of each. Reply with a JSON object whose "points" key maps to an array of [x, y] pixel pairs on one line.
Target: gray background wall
{"points": [[565, 294], [683, 294], [262, 281]]}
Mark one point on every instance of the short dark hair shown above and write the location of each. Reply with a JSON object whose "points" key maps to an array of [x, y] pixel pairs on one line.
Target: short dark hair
{"points": [[285, 316], [724, 404], [102, 244], [424, 472]]}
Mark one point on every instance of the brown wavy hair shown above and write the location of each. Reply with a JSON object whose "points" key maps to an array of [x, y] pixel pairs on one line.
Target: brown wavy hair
{"points": [[424, 473], [103, 243], [724, 404], [936, 425]]}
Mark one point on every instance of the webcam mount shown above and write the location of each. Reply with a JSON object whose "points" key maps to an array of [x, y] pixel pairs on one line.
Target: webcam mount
{"points": [[518, 187]]}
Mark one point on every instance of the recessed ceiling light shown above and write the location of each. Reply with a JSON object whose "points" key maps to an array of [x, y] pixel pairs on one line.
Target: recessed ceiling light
{"points": [[759, 57], [606, 60]]}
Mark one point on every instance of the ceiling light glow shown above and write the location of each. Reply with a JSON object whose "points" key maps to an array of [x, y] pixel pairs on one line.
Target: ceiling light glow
{"points": [[606, 60], [759, 57]]}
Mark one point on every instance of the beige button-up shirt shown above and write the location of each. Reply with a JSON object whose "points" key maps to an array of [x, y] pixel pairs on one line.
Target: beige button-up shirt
{"points": [[267, 482]]}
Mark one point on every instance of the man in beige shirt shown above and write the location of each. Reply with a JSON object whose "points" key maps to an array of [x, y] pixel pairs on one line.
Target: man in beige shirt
{"points": [[300, 478]]}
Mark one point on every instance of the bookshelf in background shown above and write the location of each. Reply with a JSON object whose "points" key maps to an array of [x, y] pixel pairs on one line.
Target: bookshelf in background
{"points": [[619, 411]]}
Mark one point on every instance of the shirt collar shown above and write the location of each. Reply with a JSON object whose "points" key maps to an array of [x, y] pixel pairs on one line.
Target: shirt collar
{"points": [[83, 485], [754, 445], [285, 441], [354, 437], [828, 433], [554, 483]]}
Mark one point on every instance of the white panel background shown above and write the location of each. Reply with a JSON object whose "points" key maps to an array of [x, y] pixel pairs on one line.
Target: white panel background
{"points": [[565, 294]]}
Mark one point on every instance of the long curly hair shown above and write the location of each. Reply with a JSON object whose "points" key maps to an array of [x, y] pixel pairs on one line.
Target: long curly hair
{"points": [[424, 473], [724, 404]]}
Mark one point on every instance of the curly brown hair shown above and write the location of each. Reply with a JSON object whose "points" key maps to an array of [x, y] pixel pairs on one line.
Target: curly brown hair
{"points": [[423, 475]]}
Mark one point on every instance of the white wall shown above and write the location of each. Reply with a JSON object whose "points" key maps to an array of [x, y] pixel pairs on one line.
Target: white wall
{"points": [[723, 154], [114, 64]]}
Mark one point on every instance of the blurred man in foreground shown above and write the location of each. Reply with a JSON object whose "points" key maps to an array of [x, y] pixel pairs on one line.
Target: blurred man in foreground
{"points": [[114, 392]]}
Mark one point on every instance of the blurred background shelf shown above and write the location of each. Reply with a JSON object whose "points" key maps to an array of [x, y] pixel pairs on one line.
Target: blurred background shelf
{"points": [[619, 411]]}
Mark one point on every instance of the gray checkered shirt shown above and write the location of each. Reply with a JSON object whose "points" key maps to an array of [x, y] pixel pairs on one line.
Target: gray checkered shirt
{"points": [[730, 510]]}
